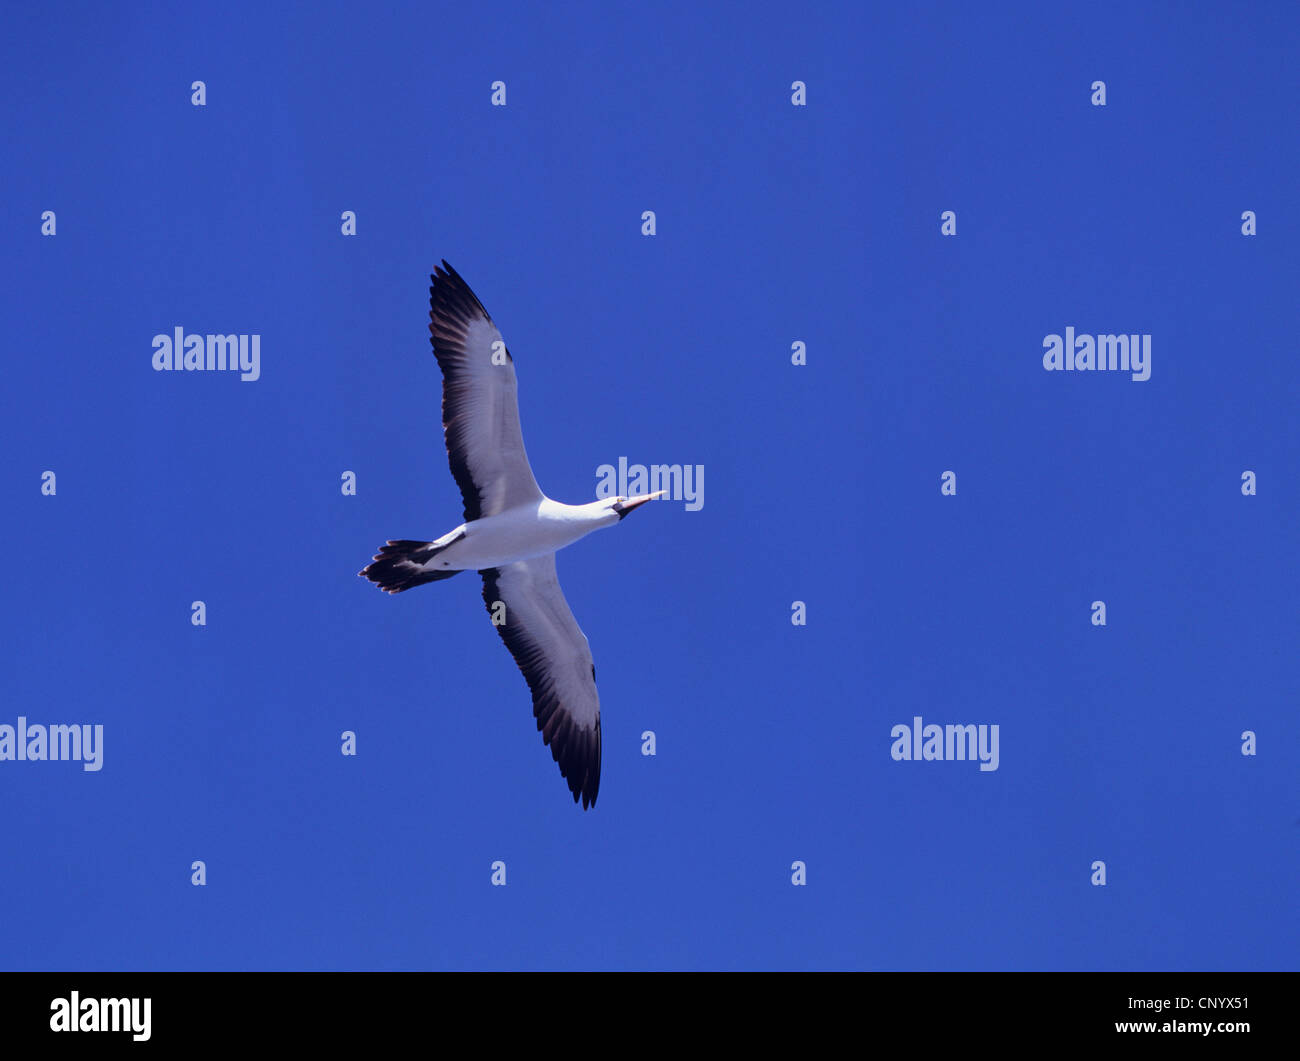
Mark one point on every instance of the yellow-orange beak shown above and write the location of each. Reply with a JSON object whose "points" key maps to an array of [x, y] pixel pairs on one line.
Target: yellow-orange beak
{"points": [[624, 507]]}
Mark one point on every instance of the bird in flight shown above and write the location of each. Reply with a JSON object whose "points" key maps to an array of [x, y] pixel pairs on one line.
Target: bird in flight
{"points": [[511, 532]]}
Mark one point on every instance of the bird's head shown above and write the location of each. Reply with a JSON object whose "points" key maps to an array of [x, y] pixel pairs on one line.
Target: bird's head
{"points": [[621, 506]]}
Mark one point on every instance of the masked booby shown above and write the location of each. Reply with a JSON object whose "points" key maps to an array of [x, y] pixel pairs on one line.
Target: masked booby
{"points": [[511, 531]]}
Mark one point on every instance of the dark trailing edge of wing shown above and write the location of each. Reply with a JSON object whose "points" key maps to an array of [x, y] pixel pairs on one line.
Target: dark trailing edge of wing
{"points": [[452, 306], [575, 748]]}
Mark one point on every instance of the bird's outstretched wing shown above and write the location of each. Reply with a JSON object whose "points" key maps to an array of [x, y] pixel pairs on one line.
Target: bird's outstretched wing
{"points": [[552, 651], [480, 410]]}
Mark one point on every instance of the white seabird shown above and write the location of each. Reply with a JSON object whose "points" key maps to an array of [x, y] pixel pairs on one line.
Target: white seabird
{"points": [[511, 532]]}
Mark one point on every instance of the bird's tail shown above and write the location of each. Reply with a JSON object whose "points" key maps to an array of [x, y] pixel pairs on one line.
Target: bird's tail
{"points": [[400, 566]]}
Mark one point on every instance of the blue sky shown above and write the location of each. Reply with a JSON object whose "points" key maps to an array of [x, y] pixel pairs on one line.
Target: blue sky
{"points": [[775, 224]]}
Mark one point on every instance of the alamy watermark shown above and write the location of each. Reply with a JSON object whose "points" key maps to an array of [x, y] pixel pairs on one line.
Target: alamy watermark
{"points": [[680, 482], [77, 1014], [1101, 353], [179, 352], [934, 743], [57, 743]]}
